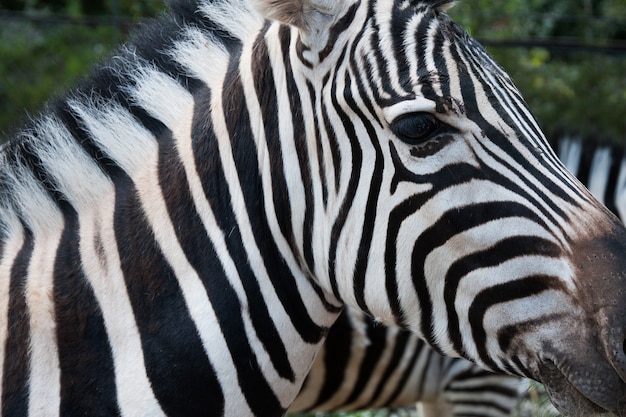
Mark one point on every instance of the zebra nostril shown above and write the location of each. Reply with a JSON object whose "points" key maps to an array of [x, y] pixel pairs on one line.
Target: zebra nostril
{"points": [[619, 362]]}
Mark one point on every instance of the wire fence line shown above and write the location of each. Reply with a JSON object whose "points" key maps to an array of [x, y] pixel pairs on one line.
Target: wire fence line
{"points": [[553, 44], [123, 23]]}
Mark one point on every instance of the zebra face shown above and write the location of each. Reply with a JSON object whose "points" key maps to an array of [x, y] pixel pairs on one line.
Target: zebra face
{"points": [[445, 211]]}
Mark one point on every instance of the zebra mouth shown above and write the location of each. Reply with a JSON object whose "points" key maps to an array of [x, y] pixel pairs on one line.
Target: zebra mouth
{"points": [[564, 394]]}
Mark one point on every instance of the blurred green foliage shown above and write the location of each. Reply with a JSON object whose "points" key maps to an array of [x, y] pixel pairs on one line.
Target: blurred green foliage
{"points": [[36, 63], [46, 45], [583, 92]]}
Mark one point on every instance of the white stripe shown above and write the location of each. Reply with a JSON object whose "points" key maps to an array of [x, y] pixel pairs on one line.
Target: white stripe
{"points": [[292, 174], [45, 374], [190, 54], [196, 299], [599, 173], [413, 105], [111, 128], [134, 392], [430, 54], [92, 194], [234, 17], [12, 228], [387, 35], [570, 152], [75, 174], [410, 49], [178, 117], [45, 221]]}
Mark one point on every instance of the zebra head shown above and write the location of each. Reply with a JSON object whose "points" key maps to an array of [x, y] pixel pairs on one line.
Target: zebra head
{"points": [[432, 200]]}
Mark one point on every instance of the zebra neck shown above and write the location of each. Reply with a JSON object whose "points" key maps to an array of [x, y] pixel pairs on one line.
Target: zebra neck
{"points": [[249, 138], [151, 205]]}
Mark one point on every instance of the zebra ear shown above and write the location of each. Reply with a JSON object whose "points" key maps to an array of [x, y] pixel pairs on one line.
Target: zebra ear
{"points": [[308, 15]]}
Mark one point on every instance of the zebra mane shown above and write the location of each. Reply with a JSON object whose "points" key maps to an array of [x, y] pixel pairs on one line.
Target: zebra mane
{"points": [[149, 44], [157, 51]]}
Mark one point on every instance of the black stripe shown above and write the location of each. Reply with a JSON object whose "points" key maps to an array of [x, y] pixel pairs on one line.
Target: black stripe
{"points": [[154, 42], [376, 336], [321, 161], [355, 174], [369, 86], [440, 63], [85, 357], [502, 251], [527, 373], [401, 340], [492, 388], [29, 158], [391, 257], [450, 224], [244, 152], [497, 137], [398, 23], [341, 25], [300, 140], [339, 349], [306, 172], [492, 405], [496, 175], [301, 48], [15, 383], [432, 360], [582, 171], [265, 87], [507, 333], [216, 187], [331, 135], [376, 181], [180, 374], [221, 294], [502, 88], [408, 371], [365, 85], [503, 293]]}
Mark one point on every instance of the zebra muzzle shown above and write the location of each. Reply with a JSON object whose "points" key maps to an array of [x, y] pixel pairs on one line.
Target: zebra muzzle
{"points": [[597, 365], [581, 380]]}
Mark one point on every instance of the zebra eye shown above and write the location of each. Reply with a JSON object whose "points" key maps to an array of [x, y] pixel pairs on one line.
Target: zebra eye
{"points": [[415, 128]]}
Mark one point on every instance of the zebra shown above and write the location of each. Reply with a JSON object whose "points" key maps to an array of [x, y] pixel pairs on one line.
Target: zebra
{"points": [[180, 230], [369, 366], [364, 365], [599, 164]]}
